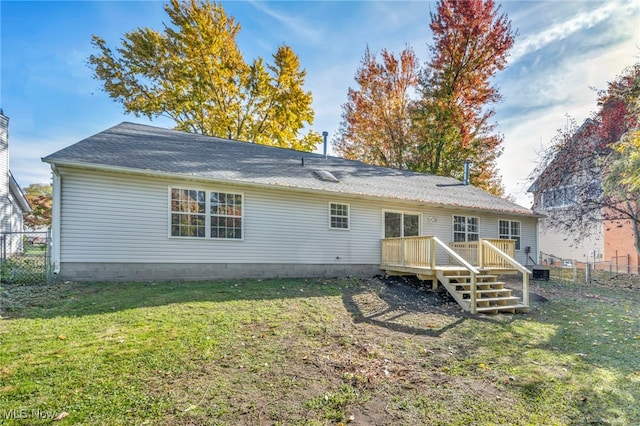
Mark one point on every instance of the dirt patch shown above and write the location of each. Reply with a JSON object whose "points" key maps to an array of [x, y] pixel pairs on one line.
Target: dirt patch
{"points": [[631, 282], [412, 294]]}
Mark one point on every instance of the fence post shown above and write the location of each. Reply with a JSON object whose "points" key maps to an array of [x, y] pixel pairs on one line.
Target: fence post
{"points": [[587, 273], [610, 270], [575, 270]]}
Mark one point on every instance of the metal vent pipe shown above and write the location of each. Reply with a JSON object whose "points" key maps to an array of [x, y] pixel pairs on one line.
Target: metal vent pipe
{"points": [[324, 138], [465, 178]]}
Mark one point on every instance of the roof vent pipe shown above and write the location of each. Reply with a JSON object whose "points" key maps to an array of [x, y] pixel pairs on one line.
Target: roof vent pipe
{"points": [[324, 139], [465, 178]]}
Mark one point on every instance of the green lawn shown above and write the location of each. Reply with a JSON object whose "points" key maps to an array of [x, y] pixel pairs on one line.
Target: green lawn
{"points": [[313, 352]]}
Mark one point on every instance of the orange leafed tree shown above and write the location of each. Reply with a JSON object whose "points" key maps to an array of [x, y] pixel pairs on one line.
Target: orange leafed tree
{"points": [[471, 44], [39, 197], [433, 119], [375, 124]]}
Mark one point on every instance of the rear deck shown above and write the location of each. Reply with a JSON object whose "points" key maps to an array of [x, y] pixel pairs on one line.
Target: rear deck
{"points": [[472, 275]]}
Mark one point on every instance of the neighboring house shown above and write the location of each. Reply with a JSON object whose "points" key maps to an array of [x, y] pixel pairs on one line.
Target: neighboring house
{"points": [[13, 204], [136, 202], [610, 242]]}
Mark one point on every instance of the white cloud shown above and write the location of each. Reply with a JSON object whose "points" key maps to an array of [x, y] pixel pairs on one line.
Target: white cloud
{"points": [[297, 24], [565, 89], [562, 30]]}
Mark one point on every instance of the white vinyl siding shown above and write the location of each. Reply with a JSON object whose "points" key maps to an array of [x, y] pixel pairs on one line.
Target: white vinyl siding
{"points": [[119, 218], [109, 217], [5, 207]]}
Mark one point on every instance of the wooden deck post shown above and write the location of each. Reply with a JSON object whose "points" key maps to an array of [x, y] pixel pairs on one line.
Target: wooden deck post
{"points": [[432, 254], [525, 289], [480, 254], [473, 296]]}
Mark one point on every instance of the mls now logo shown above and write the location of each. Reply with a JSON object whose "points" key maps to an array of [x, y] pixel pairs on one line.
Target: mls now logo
{"points": [[15, 414]]}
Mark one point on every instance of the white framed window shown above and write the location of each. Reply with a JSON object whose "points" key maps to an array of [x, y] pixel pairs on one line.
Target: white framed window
{"points": [[188, 213], [465, 228], [339, 216], [559, 197], [197, 213], [401, 224], [226, 215], [510, 230]]}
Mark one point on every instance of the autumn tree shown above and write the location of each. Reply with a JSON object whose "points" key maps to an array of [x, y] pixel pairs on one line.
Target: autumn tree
{"points": [[590, 174], [471, 43], [620, 116], [432, 120], [376, 126], [194, 73], [39, 197]]}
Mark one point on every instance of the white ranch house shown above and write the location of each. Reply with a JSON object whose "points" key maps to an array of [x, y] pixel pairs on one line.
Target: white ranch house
{"points": [[136, 202]]}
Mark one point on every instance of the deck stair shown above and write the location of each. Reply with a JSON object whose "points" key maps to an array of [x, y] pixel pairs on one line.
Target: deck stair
{"points": [[471, 276], [491, 294]]}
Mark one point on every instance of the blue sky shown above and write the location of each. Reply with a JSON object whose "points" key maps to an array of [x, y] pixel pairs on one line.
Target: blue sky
{"points": [[563, 50]]}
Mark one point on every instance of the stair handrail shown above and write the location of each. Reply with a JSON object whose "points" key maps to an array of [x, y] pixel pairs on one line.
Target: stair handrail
{"points": [[472, 269], [517, 265], [510, 260], [456, 256]]}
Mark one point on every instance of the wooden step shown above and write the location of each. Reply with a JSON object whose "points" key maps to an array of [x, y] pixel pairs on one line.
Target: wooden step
{"points": [[497, 299], [495, 309], [497, 285], [505, 291], [480, 277]]}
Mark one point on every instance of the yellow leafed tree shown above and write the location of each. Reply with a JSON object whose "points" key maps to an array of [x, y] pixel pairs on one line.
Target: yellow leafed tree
{"points": [[194, 73]]}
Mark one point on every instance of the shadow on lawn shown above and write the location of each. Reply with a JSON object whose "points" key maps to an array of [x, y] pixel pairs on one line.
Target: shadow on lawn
{"points": [[408, 305], [74, 299]]}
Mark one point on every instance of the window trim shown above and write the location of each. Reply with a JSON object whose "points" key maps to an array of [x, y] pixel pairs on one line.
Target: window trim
{"points": [[402, 212], [558, 193], [466, 231], [207, 214], [511, 236], [331, 216]]}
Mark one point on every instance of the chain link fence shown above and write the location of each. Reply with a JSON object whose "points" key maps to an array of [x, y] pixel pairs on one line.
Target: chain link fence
{"points": [[25, 257], [579, 271]]}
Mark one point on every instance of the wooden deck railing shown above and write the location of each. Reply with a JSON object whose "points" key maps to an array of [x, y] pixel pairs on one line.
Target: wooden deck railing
{"points": [[467, 249], [481, 256], [415, 252], [419, 252]]}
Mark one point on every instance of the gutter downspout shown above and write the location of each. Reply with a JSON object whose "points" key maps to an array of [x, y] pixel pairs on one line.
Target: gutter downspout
{"points": [[55, 220], [537, 242]]}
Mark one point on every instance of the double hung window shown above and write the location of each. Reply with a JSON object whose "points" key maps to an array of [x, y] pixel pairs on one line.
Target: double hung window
{"points": [[510, 230], [205, 214], [465, 228], [339, 216]]}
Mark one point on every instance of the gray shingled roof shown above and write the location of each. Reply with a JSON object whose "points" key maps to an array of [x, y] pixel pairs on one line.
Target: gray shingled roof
{"points": [[147, 149]]}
